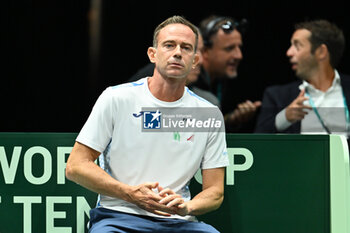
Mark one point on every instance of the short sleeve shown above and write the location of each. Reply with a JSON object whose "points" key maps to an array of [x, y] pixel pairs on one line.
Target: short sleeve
{"points": [[98, 129], [216, 152]]}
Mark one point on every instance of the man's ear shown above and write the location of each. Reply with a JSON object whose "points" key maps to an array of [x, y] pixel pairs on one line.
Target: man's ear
{"points": [[151, 52], [195, 61], [322, 52]]}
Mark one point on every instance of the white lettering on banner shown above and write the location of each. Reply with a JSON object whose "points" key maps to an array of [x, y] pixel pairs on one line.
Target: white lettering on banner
{"points": [[230, 170], [61, 163], [28, 165], [27, 210], [9, 168], [82, 207], [51, 214]]}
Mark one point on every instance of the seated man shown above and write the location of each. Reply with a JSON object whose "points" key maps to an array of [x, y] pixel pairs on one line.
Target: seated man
{"points": [[144, 184]]}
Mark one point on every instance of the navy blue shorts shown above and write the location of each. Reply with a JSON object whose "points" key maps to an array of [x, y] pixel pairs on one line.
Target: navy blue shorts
{"points": [[104, 220]]}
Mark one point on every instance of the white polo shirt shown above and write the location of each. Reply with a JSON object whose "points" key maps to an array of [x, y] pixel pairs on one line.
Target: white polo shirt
{"points": [[134, 157]]}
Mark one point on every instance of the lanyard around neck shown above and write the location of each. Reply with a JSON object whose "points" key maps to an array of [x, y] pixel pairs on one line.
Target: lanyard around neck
{"points": [[346, 109]]}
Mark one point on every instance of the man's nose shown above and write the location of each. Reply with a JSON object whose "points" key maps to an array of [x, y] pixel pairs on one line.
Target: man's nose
{"points": [[178, 51], [237, 53], [290, 51]]}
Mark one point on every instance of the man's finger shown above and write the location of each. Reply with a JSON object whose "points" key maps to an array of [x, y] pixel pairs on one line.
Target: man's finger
{"points": [[151, 185], [175, 202], [301, 100], [301, 93], [169, 198], [257, 103], [161, 213], [166, 191]]}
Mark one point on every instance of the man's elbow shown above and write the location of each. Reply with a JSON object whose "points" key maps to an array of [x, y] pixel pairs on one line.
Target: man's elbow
{"points": [[76, 162], [70, 172], [220, 199]]}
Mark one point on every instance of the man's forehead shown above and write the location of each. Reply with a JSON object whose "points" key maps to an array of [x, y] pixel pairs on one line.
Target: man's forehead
{"points": [[301, 35], [233, 37], [176, 30]]}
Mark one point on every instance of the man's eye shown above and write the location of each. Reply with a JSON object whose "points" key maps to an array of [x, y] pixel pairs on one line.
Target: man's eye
{"points": [[296, 45], [229, 49]]}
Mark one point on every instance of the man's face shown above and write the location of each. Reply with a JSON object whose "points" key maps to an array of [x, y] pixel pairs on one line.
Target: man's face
{"points": [[300, 56], [174, 56], [223, 58]]}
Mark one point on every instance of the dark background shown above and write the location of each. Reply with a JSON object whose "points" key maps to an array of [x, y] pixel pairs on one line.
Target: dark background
{"points": [[49, 84]]}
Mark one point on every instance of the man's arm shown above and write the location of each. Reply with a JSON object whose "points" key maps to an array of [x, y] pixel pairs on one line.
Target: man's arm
{"points": [[209, 199], [212, 193], [82, 169]]}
